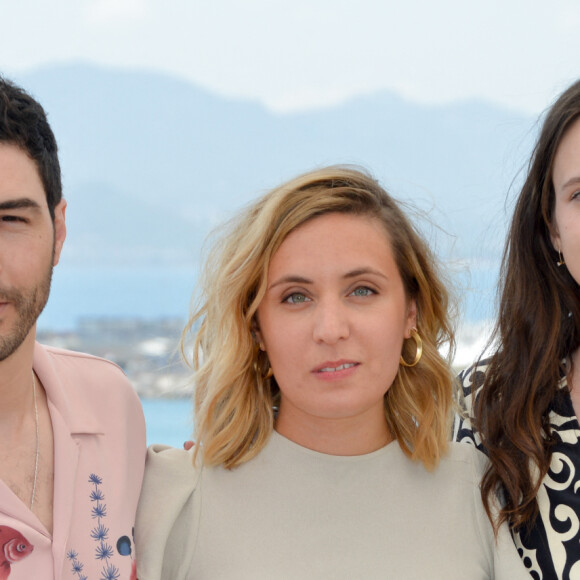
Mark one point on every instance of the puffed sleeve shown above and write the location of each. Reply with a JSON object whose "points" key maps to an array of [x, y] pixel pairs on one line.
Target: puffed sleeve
{"points": [[164, 527]]}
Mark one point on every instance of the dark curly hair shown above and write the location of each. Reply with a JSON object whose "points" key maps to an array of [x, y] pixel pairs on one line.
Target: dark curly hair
{"points": [[23, 123]]}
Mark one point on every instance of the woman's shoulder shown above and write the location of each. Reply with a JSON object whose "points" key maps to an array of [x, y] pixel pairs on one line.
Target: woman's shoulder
{"points": [[169, 462], [459, 470], [463, 468], [170, 479], [166, 498], [455, 479], [466, 459]]}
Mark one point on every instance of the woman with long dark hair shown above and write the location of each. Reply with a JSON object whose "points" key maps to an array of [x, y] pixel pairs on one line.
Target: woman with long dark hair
{"points": [[523, 402]]}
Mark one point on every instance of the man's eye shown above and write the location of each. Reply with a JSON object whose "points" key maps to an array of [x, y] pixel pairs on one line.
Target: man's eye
{"points": [[296, 298], [12, 218]]}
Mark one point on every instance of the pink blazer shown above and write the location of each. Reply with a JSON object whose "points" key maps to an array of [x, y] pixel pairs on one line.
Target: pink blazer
{"points": [[99, 457]]}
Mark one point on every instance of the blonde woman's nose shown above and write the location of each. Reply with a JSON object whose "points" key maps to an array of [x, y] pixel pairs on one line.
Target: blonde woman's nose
{"points": [[331, 322]]}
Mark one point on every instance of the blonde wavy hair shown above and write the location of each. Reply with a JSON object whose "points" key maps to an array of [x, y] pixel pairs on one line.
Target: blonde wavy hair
{"points": [[234, 414]]}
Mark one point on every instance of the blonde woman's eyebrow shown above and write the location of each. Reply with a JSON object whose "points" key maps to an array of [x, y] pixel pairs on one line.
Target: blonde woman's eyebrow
{"points": [[295, 279], [363, 271], [291, 279]]}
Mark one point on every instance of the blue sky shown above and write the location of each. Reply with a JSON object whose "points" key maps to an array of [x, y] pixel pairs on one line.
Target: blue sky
{"points": [[313, 53]]}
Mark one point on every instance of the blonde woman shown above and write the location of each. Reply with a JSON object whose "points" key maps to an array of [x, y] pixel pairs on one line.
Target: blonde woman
{"points": [[322, 406]]}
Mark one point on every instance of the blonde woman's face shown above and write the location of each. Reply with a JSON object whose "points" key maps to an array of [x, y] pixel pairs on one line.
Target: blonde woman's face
{"points": [[566, 180], [333, 320]]}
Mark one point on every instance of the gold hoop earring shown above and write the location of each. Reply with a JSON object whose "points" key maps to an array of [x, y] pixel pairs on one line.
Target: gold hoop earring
{"points": [[256, 364], [418, 353], [560, 261]]}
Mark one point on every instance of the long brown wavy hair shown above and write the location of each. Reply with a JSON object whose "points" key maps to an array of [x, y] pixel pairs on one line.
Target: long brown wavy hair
{"points": [[537, 329]]}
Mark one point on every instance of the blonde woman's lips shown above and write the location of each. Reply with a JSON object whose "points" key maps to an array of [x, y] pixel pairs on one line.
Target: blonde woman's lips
{"points": [[335, 369]]}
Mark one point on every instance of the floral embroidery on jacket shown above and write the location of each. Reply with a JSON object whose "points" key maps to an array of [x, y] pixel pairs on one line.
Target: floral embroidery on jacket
{"points": [[104, 550]]}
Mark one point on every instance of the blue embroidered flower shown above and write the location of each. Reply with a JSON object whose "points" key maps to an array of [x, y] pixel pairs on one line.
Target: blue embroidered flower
{"points": [[100, 533], [97, 495], [77, 566], [110, 573], [104, 551], [95, 479], [99, 511]]}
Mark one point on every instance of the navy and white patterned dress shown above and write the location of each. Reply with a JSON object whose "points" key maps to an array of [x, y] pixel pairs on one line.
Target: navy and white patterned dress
{"points": [[551, 550]]}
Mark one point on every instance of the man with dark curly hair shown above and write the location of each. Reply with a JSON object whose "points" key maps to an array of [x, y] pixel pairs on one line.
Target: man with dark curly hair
{"points": [[72, 433]]}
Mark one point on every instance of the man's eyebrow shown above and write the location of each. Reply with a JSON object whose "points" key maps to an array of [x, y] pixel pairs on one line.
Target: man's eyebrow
{"points": [[20, 203]]}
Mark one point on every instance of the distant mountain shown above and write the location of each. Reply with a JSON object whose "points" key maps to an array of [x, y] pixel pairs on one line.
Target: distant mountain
{"points": [[150, 161]]}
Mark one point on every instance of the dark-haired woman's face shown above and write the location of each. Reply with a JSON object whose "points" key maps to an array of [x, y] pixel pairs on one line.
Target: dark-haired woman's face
{"points": [[566, 180]]}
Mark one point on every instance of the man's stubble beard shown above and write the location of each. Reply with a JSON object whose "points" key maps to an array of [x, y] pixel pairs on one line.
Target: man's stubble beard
{"points": [[28, 306]]}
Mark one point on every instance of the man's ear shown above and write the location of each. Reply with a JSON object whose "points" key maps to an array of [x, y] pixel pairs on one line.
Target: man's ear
{"points": [[59, 229]]}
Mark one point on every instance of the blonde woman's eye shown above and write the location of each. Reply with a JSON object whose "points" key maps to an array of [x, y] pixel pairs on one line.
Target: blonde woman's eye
{"points": [[363, 291], [296, 298]]}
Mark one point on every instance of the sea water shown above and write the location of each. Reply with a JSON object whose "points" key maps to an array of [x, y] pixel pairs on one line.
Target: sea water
{"points": [[168, 421]]}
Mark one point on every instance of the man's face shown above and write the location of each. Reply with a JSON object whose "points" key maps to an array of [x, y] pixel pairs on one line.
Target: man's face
{"points": [[30, 245]]}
